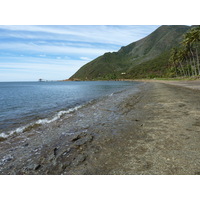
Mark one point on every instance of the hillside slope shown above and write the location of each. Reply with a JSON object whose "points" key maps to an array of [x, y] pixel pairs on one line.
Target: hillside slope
{"points": [[147, 57]]}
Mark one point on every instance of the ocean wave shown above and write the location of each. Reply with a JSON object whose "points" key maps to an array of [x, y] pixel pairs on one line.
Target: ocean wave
{"points": [[57, 116]]}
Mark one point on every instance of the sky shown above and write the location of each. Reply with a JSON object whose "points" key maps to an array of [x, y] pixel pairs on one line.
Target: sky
{"points": [[56, 52]]}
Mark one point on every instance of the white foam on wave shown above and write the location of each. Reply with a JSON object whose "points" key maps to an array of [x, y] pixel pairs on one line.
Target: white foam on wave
{"points": [[57, 116], [3, 135], [41, 121]]}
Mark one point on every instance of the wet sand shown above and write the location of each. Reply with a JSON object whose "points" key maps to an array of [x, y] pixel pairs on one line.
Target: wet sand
{"points": [[153, 131]]}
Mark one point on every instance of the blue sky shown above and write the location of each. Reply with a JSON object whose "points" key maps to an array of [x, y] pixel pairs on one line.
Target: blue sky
{"points": [[30, 52]]}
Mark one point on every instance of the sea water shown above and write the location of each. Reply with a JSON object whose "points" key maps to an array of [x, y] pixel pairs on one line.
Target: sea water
{"points": [[25, 103]]}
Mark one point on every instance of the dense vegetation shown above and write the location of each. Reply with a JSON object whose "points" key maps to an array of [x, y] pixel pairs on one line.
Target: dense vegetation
{"points": [[149, 57], [185, 58]]}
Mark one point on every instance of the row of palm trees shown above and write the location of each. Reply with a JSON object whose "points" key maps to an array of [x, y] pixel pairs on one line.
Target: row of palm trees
{"points": [[185, 59]]}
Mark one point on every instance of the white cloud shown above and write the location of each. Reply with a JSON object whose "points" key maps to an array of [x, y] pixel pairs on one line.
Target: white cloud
{"points": [[85, 58], [53, 49], [119, 35], [28, 51], [16, 61]]}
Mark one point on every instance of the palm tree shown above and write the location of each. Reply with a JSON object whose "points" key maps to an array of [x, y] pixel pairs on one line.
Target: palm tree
{"points": [[187, 43], [188, 62], [181, 58], [185, 59], [196, 39], [173, 59], [192, 39]]}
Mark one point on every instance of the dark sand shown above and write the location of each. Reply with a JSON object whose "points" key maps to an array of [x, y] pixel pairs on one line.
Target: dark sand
{"points": [[153, 131]]}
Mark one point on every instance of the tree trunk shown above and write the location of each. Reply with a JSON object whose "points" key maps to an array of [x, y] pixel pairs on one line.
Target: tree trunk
{"points": [[195, 69], [182, 69], [188, 67], [175, 69], [197, 61]]}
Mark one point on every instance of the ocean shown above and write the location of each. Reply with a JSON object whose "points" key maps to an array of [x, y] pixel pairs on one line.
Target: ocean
{"points": [[25, 103]]}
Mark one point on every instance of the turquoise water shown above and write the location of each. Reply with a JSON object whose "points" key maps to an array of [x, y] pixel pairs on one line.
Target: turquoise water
{"points": [[25, 102]]}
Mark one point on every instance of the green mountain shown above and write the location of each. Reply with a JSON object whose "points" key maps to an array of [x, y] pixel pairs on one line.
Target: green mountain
{"points": [[145, 58]]}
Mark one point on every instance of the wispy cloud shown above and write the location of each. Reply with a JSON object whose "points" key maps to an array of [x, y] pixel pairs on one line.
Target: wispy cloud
{"points": [[119, 35], [56, 52], [51, 49], [85, 58]]}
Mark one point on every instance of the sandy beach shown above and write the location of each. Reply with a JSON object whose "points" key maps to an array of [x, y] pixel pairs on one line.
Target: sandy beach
{"points": [[155, 130]]}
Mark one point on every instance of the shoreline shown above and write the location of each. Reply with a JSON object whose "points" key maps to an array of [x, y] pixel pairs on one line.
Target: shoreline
{"points": [[152, 131], [14, 122], [48, 137]]}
